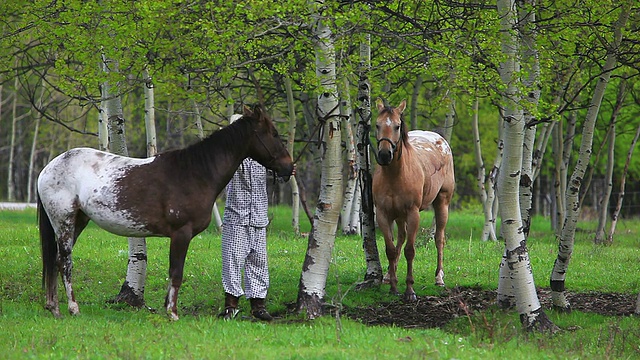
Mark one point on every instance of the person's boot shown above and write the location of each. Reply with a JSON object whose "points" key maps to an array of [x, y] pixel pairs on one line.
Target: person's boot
{"points": [[230, 307], [258, 310]]}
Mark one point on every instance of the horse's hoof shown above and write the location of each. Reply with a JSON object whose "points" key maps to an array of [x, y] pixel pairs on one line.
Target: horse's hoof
{"points": [[386, 279], [394, 292], [440, 278], [410, 297], [74, 309], [173, 315]]}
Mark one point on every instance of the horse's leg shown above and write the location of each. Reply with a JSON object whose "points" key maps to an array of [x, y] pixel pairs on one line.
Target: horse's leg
{"points": [[386, 228], [441, 212], [66, 239], [177, 254], [412, 224]]}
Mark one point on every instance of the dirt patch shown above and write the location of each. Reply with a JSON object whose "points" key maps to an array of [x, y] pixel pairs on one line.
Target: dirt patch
{"points": [[437, 311]]}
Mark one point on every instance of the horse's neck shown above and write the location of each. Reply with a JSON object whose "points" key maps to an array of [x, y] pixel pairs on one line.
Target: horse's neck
{"points": [[402, 158], [226, 159]]}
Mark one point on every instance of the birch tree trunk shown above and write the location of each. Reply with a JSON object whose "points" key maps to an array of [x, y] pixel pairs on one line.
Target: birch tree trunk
{"points": [[530, 67], [349, 226], [103, 132], [31, 184], [565, 247], [132, 290], [489, 227], [603, 212], [623, 179], [515, 266], [11, 185], [295, 192], [311, 290], [415, 94], [604, 202], [373, 274], [449, 117]]}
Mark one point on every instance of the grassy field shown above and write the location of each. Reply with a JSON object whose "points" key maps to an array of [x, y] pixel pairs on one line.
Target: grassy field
{"points": [[115, 331]]}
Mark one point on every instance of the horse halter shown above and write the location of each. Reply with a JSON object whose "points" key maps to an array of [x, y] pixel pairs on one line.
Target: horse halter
{"points": [[394, 145], [273, 158]]}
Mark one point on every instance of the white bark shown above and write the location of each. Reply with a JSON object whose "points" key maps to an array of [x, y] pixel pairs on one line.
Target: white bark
{"points": [[604, 202], [417, 85], [315, 269], [531, 68], [31, 184], [295, 191], [348, 225], [11, 185], [373, 273], [515, 266], [132, 290], [150, 115], [489, 227], [565, 248], [450, 116], [623, 179]]}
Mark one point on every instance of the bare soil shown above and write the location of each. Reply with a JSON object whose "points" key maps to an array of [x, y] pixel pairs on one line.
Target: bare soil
{"points": [[437, 311]]}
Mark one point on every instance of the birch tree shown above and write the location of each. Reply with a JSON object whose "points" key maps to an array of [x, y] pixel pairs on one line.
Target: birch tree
{"points": [[516, 284], [132, 290], [531, 70], [485, 188], [348, 219], [572, 208], [373, 274], [623, 179], [603, 215], [311, 290], [295, 192]]}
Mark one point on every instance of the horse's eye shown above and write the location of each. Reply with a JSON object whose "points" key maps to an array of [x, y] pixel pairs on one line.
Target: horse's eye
{"points": [[397, 127]]}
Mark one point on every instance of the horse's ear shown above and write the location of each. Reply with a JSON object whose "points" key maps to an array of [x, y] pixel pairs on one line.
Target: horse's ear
{"points": [[380, 104], [246, 111], [258, 112], [402, 106]]}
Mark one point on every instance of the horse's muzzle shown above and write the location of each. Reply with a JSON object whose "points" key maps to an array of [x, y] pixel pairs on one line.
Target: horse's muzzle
{"points": [[384, 157], [285, 173]]}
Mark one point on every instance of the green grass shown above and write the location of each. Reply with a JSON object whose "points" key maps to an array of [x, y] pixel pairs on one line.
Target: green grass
{"points": [[115, 331]]}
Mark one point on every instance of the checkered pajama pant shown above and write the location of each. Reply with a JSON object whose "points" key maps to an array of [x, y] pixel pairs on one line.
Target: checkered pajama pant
{"points": [[244, 247]]}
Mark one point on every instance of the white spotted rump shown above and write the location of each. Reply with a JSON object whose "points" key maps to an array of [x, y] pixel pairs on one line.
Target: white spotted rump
{"points": [[94, 175]]}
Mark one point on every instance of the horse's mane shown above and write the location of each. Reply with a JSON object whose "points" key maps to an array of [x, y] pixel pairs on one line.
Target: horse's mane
{"points": [[403, 125], [198, 156]]}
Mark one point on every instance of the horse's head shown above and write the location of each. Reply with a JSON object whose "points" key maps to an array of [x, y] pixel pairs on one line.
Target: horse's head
{"points": [[266, 147], [390, 131]]}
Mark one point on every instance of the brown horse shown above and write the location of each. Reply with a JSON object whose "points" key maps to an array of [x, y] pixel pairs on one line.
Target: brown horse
{"points": [[170, 195], [416, 170]]}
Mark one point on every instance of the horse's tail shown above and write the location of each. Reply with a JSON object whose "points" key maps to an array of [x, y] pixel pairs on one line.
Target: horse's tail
{"points": [[49, 247]]}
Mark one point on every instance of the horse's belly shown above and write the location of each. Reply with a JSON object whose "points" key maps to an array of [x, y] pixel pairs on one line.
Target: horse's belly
{"points": [[120, 224], [106, 214]]}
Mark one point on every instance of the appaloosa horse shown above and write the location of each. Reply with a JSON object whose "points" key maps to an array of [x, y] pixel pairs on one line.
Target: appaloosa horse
{"points": [[171, 194], [416, 170]]}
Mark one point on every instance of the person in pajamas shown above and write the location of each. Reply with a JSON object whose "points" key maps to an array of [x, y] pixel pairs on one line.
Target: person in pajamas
{"points": [[244, 240]]}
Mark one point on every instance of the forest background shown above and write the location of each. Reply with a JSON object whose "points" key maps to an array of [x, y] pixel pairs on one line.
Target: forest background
{"points": [[206, 58]]}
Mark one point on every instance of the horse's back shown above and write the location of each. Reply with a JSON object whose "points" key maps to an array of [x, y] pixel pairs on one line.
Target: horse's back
{"points": [[436, 158]]}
